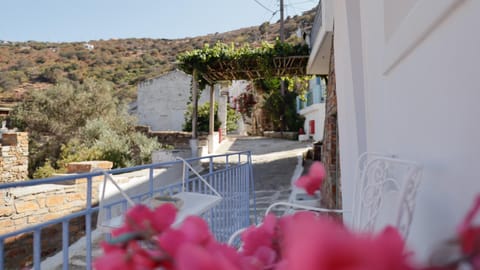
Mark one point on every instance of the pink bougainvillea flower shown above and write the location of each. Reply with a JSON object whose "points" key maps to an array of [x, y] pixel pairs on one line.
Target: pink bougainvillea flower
{"points": [[320, 243], [143, 258], [317, 170], [255, 237], [229, 254], [171, 240], [114, 260], [312, 181], [469, 233], [195, 257], [266, 256], [139, 218], [196, 230], [390, 248], [163, 216]]}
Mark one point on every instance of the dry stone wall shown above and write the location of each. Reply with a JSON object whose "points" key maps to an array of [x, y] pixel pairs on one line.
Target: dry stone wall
{"points": [[14, 157], [26, 206]]}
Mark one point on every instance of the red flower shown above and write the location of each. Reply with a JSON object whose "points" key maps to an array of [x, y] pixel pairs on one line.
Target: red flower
{"points": [[469, 234], [255, 237], [196, 230], [314, 179], [258, 246], [194, 257], [113, 260], [139, 218], [163, 216], [313, 242]]}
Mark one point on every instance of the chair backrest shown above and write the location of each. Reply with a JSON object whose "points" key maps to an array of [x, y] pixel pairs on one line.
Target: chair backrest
{"points": [[385, 192]]}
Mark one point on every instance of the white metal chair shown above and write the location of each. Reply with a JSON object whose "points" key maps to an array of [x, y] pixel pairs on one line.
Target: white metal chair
{"points": [[384, 194]]}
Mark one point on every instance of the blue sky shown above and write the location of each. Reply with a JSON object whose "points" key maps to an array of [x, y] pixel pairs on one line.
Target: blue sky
{"points": [[76, 20]]}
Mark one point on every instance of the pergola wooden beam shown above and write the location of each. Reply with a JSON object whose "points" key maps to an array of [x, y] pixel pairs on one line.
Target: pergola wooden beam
{"points": [[281, 66], [278, 61]]}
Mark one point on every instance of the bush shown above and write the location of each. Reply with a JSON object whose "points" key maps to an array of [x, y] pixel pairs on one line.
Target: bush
{"points": [[79, 122], [203, 118], [142, 148], [45, 171], [232, 119]]}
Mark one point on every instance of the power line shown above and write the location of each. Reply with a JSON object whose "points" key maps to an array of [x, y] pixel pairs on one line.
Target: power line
{"points": [[262, 5], [299, 3]]}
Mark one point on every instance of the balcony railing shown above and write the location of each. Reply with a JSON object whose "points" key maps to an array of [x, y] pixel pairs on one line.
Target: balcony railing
{"points": [[230, 174], [310, 99], [314, 96]]}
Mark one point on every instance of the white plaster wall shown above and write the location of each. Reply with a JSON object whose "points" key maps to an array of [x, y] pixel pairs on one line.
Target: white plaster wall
{"points": [[347, 122], [162, 101], [314, 112], [237, 88], [420, 92]]}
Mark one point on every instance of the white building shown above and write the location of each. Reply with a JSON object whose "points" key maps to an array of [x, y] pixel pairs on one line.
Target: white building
{"points": [[407, 85], [162, 101], [88, 46], [313, 109]]}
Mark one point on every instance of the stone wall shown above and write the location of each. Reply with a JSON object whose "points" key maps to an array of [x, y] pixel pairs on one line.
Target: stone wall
{"points": [[26, 206], [331, 196], [14, 157], [177, 139], [290, 135]]}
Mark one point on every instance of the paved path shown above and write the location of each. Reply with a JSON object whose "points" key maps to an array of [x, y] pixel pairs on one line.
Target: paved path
{"points": [[274, 163]]}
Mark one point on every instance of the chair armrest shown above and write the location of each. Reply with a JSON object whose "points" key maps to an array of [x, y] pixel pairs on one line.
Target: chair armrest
{"points": [[304, 207], [235, 235]]}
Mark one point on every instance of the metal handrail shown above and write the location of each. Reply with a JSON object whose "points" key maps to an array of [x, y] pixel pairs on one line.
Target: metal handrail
{"points": [[244, 158]]}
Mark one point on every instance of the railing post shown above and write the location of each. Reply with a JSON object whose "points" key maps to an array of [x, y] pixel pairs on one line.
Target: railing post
{"points": [[37, 247], [88, 224], [65, 244], [2, 248], [252, 188], [150, 179], [210, 165]]}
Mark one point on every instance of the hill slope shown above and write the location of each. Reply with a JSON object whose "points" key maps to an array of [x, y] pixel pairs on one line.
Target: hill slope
{"points": [[26, 66]]}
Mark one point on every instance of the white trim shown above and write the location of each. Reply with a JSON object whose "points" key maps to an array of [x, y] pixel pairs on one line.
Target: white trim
{"points": [[424, 17], [312, 108]]}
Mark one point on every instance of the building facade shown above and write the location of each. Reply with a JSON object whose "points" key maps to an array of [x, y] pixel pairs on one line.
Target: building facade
{"points": [[406, 87], [313, 109]]}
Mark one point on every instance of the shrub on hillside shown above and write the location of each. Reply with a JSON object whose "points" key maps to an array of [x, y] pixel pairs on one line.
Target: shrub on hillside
{"points": [[77, 122]]}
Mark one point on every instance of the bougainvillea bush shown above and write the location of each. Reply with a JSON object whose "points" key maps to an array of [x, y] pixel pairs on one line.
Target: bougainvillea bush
{"points": [[301, 241]]}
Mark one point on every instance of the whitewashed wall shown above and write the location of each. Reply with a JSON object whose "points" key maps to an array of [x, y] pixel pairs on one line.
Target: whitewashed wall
{"points": [[407, 84], [314, 112], [162, 101]]}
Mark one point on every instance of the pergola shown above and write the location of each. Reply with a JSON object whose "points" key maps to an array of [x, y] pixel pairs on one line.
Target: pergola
{"points": [[210, 66]]}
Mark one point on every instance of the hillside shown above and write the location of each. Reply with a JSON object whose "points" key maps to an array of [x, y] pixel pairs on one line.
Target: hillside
{"points": [[26, 66]]}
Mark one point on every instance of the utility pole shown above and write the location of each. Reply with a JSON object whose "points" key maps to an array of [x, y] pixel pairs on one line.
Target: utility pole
{"points": [[282, 31], [282, 84]]}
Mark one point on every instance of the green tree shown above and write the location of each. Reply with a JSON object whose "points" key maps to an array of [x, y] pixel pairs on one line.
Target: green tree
{"points": [[274, 104], [75, 122], [203, 118]]}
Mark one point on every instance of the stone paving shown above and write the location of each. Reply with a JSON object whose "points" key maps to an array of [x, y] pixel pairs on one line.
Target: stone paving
{"points": [[274, 163]]}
